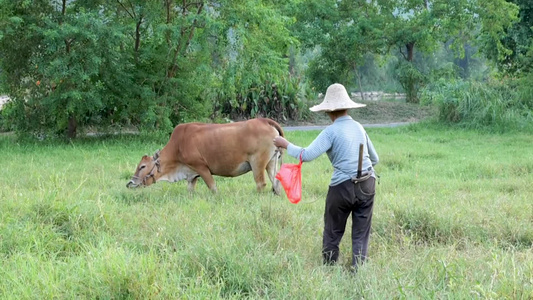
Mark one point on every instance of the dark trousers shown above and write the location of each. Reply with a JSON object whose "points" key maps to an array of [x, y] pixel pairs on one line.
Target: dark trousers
{"points": [[343, 199]]}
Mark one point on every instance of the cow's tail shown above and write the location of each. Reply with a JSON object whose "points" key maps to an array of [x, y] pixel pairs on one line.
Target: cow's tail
{"points": [[280, 131], [276, 126]]}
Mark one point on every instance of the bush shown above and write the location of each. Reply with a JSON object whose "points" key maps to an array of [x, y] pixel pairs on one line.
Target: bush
{"points": [[497, 104], [279, 101]]}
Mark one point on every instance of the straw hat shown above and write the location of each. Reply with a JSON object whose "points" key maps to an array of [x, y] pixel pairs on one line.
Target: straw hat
{"points": [[336, 99]]}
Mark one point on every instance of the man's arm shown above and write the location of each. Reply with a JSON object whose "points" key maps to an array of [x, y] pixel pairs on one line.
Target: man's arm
{"points": [[321, 144], [374, 158]]}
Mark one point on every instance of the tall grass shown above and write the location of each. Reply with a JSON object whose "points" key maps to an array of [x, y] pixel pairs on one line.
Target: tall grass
{"points": [[494, 105], [453, 219]]}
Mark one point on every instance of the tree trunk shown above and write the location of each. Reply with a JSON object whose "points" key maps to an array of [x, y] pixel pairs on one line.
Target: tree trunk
{"points": [[292, 60], [72, 127], [72, 123], [138, 38], [411, 94], [359, 81], [183, 47], [463, 63], [410, 51], [168, 5]]}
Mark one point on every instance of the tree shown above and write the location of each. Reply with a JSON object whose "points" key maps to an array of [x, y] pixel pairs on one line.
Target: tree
{"points": [[81, 63], [380, 26], [425, 24], [255, 77], [53, 55], [519, 39], [343, 32]]}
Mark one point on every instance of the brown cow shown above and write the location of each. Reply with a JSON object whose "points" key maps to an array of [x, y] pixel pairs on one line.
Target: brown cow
{"points": [[202, 150]]}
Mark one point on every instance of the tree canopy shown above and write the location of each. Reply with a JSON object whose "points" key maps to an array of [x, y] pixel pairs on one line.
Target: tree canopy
{"points": [[351, 29], [148, 63], [69, 64]]}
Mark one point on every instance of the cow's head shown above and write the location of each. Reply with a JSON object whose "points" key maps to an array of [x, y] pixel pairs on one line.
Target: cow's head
{"points": [[145, 172]]}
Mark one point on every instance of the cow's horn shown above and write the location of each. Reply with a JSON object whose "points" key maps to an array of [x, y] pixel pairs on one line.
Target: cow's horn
{"points": [[156, 155]]}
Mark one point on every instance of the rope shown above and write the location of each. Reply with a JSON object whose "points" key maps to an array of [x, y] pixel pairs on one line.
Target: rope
{"points": [[276, 156], [308, 202]]}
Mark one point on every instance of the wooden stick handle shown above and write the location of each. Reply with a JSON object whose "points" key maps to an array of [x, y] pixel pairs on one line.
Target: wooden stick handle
{"points": [[360, 162]]}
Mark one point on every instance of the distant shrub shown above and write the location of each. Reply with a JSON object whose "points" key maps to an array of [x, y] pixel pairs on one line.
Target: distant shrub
{"points": [[2, 125], [500, 105], [282, 101], [5, 113]]}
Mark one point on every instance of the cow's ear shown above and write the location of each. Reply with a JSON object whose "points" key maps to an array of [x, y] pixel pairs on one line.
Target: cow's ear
{"points": [[144, 156], [156, 155]]}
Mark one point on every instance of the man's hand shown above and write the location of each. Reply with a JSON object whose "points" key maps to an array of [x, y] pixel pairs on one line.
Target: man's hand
{"points": [[279, 141]]}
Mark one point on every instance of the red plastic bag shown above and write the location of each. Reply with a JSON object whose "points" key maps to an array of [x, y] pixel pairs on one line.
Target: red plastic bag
{"points": [[290, 176]]}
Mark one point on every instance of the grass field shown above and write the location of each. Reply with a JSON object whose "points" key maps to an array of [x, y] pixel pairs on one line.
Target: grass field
{"points": [[453, 218]]}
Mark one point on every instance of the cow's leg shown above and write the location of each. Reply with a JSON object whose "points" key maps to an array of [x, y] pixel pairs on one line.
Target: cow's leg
{"points": [[271, 171], [205, 173], [258, 169], [192, 183]]}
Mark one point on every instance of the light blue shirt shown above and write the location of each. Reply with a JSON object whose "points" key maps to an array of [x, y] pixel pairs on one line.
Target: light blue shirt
{"points": [[340, 141]]}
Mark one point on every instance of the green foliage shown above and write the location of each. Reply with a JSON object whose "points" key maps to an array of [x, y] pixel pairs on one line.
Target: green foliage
{"points": [[525, 91], [499, 105], [254, 80], [280, 102], [111, 64], [343, 35], [411, 79], [377, 73], [519, 39], [105, 65], [360, 27]]}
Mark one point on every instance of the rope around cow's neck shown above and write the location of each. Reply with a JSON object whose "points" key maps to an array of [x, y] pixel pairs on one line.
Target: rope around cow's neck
{"points": [[152, 173]]}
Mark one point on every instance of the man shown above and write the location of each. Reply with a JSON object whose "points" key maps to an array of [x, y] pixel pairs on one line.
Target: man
{"points": [[347, 193]]}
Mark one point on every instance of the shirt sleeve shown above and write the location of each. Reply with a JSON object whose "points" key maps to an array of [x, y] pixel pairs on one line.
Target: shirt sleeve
{"points": [[321, 144], [374, 158]]}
